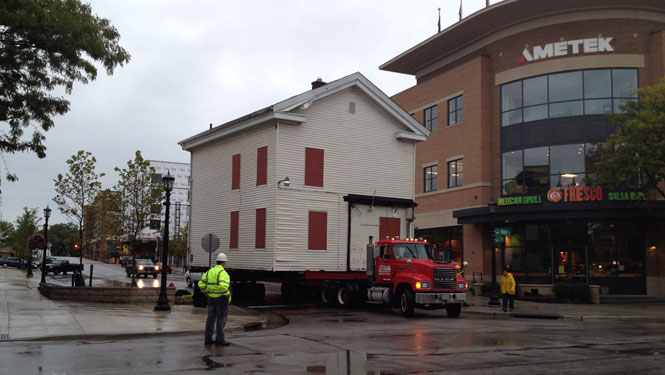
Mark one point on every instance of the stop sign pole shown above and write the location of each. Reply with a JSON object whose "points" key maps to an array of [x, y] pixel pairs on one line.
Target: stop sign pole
{"points": [[210, 243]]}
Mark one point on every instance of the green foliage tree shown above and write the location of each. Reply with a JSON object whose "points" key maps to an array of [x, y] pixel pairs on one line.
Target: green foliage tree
{"points": [[46, 44], [77, 189], [633, 157], [62, 238], [142, 195], [26, 225]]}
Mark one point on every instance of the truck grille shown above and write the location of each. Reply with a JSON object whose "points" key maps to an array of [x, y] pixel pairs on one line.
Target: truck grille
{"points": [[444, 278]]}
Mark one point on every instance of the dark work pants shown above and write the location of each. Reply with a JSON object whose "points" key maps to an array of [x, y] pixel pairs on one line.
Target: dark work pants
{"points": [[508, 297], [217, 310]]}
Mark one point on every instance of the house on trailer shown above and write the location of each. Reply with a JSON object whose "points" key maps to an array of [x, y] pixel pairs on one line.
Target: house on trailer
{"points": [[304, 184]]}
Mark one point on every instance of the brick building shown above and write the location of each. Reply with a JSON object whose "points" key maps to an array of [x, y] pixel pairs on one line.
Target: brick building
{"points": [[515, 96]]}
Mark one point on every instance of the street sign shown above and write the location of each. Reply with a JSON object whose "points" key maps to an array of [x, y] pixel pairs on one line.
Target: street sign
{"points": [[210, 242], [502, 231]]}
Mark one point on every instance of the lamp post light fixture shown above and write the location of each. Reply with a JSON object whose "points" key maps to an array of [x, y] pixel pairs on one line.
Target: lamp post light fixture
{"points": [[494, 293], [47, 214], [163, 300], [286, 182]]}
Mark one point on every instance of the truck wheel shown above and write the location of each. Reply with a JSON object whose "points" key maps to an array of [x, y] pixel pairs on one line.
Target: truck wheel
{"points": [[453, 309], [329, 295], [344, 296], [406, 302]]}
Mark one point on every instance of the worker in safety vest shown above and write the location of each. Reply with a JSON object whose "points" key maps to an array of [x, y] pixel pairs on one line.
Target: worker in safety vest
{"points": [[215, 284]]}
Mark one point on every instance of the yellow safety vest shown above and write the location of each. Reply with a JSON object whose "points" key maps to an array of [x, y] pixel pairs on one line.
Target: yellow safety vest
{"points": [[216, 282]]}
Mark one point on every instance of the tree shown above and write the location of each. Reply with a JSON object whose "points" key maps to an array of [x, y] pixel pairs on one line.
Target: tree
{"points": [[141, 195], [633, 157], [77, 189], [45, 45], [26, 225], [6, 229], [62, 238]]}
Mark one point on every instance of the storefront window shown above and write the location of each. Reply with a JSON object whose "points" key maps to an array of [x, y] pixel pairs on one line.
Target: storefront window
{"points": [[538, 253], [514, 251], [601, 246]]}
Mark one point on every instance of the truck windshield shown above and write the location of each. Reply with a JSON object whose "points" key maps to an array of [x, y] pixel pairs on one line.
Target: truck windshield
{"points": [[411, 251]]}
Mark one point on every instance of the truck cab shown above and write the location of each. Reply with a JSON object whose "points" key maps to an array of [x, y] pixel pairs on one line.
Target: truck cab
{"points": [[407, 269]]}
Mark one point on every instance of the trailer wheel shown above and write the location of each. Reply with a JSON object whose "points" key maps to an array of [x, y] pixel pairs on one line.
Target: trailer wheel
{"points": [[453, 309], [329, 294], [406, 302]]}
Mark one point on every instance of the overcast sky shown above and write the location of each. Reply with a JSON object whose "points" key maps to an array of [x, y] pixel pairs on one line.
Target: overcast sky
{"points": [[196, 62]]}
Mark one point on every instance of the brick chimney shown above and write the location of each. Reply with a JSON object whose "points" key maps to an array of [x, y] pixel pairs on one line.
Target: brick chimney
{"points": [[318, 83]]}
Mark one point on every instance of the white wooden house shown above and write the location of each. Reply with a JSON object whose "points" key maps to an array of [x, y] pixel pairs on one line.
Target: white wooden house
{"points": [[348, 151]]}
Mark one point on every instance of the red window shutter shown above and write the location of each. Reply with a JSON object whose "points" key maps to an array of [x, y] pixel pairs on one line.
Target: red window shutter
{"points": [[262, 166], [318, 230], [260, 228], [389, 227], [233, 241], [235, 173], [313, 167]]}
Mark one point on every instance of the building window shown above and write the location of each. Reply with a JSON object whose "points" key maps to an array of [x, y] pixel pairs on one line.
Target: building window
{"points": [[430, 178], [233, 231], [313, 167], [318, 231], [541, 168], [235, 172], [455, 110], [574, 93], [430, 118], [260, 240], [455, 173], [262, 166]]}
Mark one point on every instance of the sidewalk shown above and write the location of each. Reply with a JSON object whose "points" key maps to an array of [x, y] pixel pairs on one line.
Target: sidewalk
{"points": [[539, 310], [27, 315]]}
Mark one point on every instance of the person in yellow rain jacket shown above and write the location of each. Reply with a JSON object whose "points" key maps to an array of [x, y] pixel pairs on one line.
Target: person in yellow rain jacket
{"points": [[508, 289], [216, 283]]}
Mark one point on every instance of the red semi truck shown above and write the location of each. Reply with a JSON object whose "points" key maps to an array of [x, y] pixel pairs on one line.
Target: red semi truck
{"points": [[401, 273]]}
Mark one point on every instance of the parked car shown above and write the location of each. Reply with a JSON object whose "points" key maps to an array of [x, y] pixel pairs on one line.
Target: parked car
{"points": [[38, 264], [193, 275], [12, 262], [169, 268], [62, 266], [142, 267]]}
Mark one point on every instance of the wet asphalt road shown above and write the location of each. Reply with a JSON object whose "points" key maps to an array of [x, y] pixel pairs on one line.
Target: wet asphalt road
{"points": [[373, 341]]}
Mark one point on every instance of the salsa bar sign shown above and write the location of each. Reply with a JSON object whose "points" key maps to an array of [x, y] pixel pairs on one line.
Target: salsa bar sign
{"points": [[563, 48], [573, 195]]}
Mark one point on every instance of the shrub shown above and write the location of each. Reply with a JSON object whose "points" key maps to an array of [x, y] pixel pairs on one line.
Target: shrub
{"points": [[572, 293]]}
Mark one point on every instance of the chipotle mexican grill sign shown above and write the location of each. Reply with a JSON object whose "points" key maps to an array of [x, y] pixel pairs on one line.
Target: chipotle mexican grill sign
{"points": [[567, 47]]}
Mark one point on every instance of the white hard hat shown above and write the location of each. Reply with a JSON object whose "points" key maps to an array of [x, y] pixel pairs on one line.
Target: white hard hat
{"points": [[221, 257]]}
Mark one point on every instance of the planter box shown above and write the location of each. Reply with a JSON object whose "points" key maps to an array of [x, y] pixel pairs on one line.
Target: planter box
{"points": [[104, 294]]}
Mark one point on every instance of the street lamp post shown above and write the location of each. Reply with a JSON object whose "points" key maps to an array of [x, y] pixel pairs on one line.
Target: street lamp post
{"points": [[163, 300], [47, 214], [494, 294]]}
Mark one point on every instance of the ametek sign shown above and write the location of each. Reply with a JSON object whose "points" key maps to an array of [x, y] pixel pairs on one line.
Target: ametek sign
{"points": [[574, 47]]}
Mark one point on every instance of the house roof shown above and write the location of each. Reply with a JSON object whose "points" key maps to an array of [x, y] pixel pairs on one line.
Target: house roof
{"points": [[283, 112]]}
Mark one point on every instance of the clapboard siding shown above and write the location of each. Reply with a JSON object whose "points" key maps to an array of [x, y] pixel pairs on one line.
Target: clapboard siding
{"points": [[361, 156], [213, 199]]}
